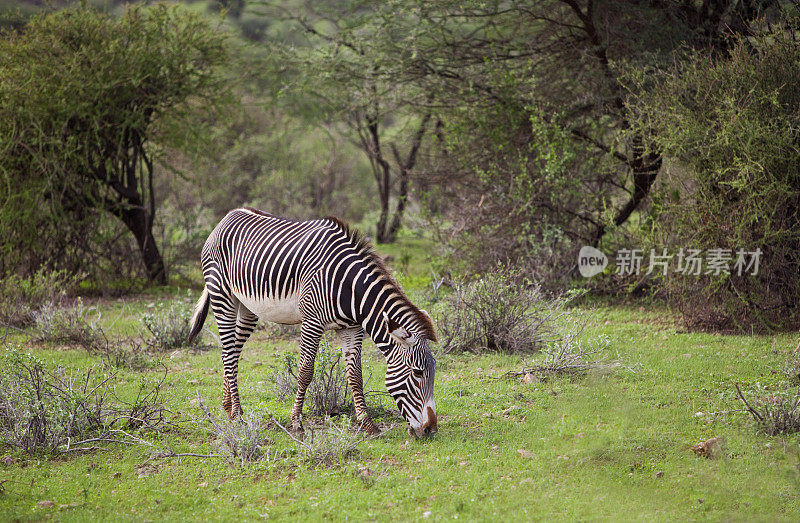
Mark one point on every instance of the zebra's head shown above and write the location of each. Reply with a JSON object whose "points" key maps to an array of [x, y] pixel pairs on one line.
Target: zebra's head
{"points": [[409, 377]]}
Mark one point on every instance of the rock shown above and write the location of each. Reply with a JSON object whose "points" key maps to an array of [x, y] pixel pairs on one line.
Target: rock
{"points": [[709, 448], [176, 355], [46, 504], [525, 453], [530, 378]]}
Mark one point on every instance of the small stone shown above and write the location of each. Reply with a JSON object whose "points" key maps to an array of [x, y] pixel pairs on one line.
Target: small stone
{"points": [[709, 448], [46, 504], [525, 453], [529, 378], [427, 514], [176, 355]]}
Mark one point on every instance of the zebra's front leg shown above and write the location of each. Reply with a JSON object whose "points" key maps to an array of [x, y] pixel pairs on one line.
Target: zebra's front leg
{"points": [[351, 347], [310, 335]]}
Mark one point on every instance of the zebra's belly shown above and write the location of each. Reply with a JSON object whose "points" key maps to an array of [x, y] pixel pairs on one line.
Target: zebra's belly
{"points": [[285, 311]]}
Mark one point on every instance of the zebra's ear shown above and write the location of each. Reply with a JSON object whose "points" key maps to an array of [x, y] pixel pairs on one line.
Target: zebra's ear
{"points": [[396, 331]]}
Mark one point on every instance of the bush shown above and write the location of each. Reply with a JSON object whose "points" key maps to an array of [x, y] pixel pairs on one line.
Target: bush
{"points": [[44, 411], [23, 297], [68, 326], [328, 392], [331, 445], [775, 412], [238, 441], [730, 123], [169, 328], [500, 312]]}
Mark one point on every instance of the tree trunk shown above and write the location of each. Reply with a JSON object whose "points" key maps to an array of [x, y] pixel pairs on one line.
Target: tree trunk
{"points": [[141, 225], [645, 167]]}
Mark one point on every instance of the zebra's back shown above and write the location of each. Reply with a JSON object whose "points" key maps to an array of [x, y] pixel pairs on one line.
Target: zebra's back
{"points": [[263, 260]]}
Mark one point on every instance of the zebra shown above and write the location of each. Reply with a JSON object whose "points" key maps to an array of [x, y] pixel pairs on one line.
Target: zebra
{"points": [[323, 275]]}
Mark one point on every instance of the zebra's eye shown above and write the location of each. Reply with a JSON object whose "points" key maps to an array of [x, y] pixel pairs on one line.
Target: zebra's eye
{"points": [[417, 372]]}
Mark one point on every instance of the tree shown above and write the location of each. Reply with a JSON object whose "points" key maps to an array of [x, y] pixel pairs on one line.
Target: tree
{"points": [[536, 147], [343, 70], [88, 102], [731, 121]]}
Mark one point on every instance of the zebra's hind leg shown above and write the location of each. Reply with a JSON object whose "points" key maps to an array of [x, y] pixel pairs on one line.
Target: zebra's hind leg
{"points": [[351, 347], [245, 324], [310, 335], [234, 329]]}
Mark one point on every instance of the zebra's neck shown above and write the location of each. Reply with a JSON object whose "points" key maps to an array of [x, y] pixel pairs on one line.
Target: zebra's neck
{"points": [[375, 293]]}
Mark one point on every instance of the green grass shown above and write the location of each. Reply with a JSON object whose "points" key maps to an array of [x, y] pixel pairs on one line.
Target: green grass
{"points": [[606, 446]]}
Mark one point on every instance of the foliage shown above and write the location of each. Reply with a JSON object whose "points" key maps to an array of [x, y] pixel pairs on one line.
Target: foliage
{"points": [[520, 107], [169, 327], [327, 392], [731, 123], [23, 297], [111, 94], [68, 325], [500, 311], [44, 411]]}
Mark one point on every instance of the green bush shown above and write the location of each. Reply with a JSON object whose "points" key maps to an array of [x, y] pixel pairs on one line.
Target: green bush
{"points": [[730, 126]]}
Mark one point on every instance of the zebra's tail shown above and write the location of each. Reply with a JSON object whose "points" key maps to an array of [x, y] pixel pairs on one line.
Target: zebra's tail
{"points": [[199, 316]]}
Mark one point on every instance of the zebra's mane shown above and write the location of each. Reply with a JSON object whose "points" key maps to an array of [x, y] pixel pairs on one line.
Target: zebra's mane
{"points": [[361, 243]]}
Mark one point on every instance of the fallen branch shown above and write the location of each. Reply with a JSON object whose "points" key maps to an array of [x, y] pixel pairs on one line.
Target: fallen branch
{"points": [[754, 412]]}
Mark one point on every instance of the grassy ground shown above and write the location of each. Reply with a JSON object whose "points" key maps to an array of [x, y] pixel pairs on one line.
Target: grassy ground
{"points": [[605, 446]]}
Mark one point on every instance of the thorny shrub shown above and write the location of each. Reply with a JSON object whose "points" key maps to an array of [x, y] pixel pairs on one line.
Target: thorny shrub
{"points": [[44, 411], [328, 392], [68, 325], [774, 412], [500, 312]]}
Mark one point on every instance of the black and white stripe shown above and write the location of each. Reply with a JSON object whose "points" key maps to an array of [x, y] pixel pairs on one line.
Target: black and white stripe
{"points": [[324, 275]]}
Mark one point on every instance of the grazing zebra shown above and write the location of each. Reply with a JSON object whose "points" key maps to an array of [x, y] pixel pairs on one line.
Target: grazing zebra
{"points": [[324, 275]]}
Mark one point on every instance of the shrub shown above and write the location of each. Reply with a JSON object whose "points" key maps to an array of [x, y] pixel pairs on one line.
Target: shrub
{"points": [[132, 357], [23, 297], [44, 411], [328, 392], [169, 328], [730, 124], [331, 445], [775, 412], [238, 441], [500, 312], [68, 326]]}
